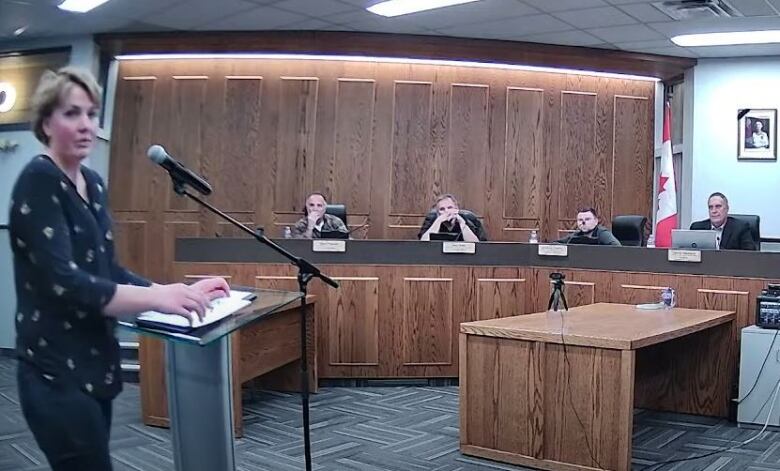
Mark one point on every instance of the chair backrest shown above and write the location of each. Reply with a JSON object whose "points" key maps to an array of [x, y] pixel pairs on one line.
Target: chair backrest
{"points": [[338, 210], [754, 221], [630, 230]]}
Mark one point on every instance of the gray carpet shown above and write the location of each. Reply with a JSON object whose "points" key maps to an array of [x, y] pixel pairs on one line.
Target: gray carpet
{"points": [[374, 429]]}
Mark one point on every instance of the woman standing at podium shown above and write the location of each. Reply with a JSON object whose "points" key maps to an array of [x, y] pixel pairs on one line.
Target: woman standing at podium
{"points": [[69, 285]]}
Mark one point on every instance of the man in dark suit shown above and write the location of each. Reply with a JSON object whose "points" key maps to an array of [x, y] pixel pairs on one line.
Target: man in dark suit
{"points": [[733, 234]]}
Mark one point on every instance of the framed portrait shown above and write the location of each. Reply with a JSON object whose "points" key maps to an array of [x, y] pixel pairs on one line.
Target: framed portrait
{"points": [[757, 134]]}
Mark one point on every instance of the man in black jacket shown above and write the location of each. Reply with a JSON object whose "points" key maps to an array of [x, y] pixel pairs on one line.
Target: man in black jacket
{"points": [[733, 234]]}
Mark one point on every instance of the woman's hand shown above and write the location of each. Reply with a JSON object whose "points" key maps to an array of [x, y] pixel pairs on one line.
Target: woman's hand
{"points": [[179, 299], [212, 288]]}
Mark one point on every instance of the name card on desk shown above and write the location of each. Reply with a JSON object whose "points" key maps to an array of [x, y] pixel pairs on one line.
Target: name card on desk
{"points": [[553, 250], [679, 255], [326, 245], [459, 247]]}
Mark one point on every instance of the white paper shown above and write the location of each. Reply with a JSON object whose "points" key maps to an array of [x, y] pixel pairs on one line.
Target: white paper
{"points": [[220, 309], [328, 245]]}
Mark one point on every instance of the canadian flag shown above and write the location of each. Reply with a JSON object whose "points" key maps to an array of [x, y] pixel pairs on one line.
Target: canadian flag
{"points": [[666, 218]]}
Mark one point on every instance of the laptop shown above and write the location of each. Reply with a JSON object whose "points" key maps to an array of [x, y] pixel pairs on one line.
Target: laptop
{"points": [[700, 240], [450, 236]]}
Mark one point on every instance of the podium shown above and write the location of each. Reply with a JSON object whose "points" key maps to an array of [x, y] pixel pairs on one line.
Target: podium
{"points": [[198, 383]]}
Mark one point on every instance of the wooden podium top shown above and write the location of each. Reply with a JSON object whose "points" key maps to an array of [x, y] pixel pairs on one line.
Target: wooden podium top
{"points": [[605, 325]]}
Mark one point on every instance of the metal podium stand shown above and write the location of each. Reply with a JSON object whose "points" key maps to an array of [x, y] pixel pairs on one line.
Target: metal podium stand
{"points": [[199, 387]]}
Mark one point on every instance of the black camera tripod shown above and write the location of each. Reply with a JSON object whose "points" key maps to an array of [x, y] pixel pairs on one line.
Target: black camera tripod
{"points": [[557, 296]]}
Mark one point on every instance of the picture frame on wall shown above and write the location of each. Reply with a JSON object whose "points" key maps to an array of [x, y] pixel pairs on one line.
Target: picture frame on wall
{"points": [[757, 134]]}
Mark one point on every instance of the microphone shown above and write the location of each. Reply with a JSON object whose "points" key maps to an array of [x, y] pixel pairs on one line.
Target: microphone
{"points": [[178, 172]]}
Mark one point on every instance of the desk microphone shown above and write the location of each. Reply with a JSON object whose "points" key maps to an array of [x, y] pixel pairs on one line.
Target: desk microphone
{"points": [[178, 172]]}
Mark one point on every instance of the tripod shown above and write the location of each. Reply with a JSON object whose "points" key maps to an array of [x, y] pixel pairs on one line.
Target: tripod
{"points": [[557, 296]]}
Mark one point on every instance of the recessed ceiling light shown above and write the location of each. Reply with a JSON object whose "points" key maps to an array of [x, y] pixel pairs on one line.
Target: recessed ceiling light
{"points": [[403, 7], [80, 6], [19, 31], [728, 39]]}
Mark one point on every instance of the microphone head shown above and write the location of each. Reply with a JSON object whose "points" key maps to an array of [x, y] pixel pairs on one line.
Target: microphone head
{"points": [[157, 154]]}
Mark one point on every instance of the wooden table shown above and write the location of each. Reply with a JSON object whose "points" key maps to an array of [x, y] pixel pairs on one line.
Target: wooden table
{"points": [[534, 396]]}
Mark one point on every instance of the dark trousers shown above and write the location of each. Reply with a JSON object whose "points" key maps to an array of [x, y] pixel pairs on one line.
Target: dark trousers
{"points": [[71, 427]]}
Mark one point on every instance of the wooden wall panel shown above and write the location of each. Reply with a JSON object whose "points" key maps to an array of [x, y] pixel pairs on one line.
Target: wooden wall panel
{"points": [[428, 321], [578, 177], [131, 138], [188, 103], [413, 172], [235, 173], [353, 312], [633, 171], [130, 237], [523, 149], [499, 297], [524, 167], [351, 163], [295, 142], [469, 137]]}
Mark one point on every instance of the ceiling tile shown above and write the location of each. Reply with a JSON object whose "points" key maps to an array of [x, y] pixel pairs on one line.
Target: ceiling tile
{"points": [[669, 51], [198, 12], [566, 38], [658, 43], [645, 13], [616, 34], [256, 19], [548, 6], [775, 4], [595, 17], [136, 9], [753, 7], [317, 9], [739, 51], [511, 27], [628, 2]]}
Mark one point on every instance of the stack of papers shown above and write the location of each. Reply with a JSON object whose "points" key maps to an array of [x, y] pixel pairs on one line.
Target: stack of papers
{"points": [[220, 309]]}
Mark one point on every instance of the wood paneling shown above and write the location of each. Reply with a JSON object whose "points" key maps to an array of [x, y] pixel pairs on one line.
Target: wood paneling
{"points": [[522, 149], [580, 180], [413, 171], [427, 321], [524, 163], [354, 322], [295, 142], [499, 297], [352, 153], [632, 178]]}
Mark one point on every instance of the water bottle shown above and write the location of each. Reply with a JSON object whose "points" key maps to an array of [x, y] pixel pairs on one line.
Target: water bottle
{"points": [[287, 232], [651, 241], [667, 298], [533, 238]]}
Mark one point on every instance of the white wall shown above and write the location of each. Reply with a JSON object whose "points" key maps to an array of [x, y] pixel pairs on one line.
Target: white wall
{"points": [[721, 87], [84, 54]]}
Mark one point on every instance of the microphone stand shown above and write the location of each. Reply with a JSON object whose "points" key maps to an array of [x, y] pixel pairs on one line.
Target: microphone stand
{"points": [[306, 272]]}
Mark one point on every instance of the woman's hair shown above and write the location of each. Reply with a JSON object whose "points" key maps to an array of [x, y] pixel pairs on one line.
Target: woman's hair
{"points": [[53, 87]]}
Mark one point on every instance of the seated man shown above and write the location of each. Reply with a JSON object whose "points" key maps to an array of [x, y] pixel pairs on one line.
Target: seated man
{"points": [[446, 216], [733, 234], [315, 222], [589, 230]]}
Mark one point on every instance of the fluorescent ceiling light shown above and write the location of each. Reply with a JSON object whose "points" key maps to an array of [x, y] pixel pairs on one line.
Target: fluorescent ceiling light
{"points": [[727, 39], [386, 60], [404, 7], [80, 6]]}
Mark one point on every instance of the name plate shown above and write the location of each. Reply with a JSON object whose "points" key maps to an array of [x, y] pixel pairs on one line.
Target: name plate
{"points": [[322, 245], [459, 247], [678, 255], [553, 250]]}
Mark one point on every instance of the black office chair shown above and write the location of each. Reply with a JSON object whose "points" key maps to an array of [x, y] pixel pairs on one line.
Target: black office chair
{"points": [[754, 221], [338, 210], [630, 230]]}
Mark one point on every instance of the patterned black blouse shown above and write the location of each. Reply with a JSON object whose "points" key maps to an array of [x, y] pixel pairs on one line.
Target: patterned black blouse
{"points": [[66, 272]]}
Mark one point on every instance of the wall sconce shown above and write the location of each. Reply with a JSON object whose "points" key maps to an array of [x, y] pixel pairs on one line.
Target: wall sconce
{"points": [[7, 97]]}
